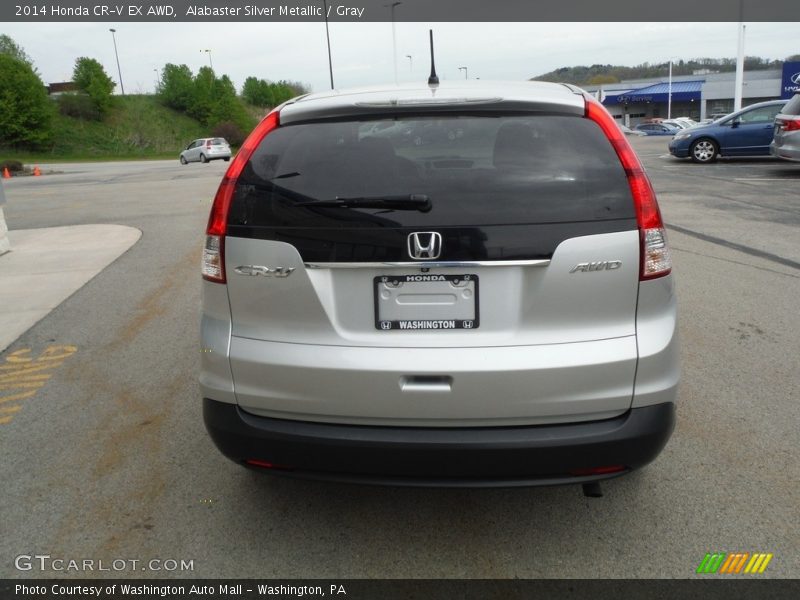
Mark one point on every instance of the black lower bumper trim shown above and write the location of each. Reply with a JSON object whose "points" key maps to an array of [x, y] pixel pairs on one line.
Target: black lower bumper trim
{"points": [[484, 456]]}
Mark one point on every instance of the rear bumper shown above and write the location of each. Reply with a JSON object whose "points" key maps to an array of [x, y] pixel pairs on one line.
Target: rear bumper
{"points": [[442, 457], [785, 151]]}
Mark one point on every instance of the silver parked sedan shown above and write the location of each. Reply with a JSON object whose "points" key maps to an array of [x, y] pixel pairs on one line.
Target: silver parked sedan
{"points": [[205, 150], [786, 142], [496, 309]]}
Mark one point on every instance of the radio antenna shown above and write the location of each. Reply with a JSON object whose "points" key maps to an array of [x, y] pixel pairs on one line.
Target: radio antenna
{"points": [[433, 79]]}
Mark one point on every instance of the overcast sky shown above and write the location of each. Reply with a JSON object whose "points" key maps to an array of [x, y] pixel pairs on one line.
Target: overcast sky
{"points": [[362, 52]]}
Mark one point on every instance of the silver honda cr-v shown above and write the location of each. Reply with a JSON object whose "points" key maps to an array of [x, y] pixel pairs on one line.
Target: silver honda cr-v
{"points": [[480, 295]]}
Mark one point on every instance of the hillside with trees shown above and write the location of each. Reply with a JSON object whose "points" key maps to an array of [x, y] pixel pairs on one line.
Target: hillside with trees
{"points": [[600, 74], [93, 122]]}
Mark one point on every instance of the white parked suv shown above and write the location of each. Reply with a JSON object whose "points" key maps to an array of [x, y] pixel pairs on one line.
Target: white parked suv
{"points": [[494, 309]]}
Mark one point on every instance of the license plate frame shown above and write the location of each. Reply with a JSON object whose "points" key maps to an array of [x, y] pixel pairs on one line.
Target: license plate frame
{"points": [[433, 286]]}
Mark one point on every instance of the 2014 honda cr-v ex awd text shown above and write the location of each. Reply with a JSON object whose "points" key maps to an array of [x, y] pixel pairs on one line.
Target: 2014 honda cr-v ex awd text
{"points": [[489, 302]]}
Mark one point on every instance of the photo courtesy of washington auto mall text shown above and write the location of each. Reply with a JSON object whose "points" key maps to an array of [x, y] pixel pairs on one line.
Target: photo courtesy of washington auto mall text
{"points": [[178, 590]]}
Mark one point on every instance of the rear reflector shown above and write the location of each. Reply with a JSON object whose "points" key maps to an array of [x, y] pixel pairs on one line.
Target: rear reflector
{"points": [[606, 470], [255, 462], [214, 251], [655, 258]]}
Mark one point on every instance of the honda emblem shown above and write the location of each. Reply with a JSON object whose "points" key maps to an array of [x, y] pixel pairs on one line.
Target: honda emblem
{"points": [[425, 245]]}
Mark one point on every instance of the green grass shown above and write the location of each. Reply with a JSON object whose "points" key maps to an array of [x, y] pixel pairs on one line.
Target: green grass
{"points": [[138, 127]]}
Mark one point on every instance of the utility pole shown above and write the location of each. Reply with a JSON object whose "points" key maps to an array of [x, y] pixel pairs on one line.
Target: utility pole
{"points": [[116, 54], [466, 72], [394, 39], [210, 64]]}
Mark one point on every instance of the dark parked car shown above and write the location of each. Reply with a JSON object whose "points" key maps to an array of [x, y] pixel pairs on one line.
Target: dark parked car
{"points": [[747, 132], [656, 129], [786, 143]]}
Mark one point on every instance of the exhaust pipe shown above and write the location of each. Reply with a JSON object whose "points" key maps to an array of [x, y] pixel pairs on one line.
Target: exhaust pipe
{"points": [[592, 490]]}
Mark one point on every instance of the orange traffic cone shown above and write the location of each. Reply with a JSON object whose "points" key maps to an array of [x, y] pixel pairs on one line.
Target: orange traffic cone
{"points": [[36, 171], [6, 174]]}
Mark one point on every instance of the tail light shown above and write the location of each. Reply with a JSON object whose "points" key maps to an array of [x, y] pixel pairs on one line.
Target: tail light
{"points": [[214, 249], [655, 259], [788, 124]]}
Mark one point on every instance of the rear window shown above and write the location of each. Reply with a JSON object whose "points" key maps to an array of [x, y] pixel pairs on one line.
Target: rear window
{"points": [[476, 170], [218, 141]]}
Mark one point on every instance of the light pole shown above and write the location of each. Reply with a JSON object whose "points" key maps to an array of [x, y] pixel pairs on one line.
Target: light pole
{"points": [[158, 80], [466, 72], [394, 39], [739, 81], [211, 64], [114, 37], [328, 36], [669, 92], [410, 62]]}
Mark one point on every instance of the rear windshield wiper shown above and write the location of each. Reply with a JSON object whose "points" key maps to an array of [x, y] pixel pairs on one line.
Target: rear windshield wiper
{"points": [[419, 202]]}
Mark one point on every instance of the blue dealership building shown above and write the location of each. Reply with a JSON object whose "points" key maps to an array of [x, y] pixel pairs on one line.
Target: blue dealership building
{"points": [[698, 96]]}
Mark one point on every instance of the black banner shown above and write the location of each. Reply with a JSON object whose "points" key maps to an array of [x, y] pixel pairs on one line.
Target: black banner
{"points": [[728, 588], [120, 11]]}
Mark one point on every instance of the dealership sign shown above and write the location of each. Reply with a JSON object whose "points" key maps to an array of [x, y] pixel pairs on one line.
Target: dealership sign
{"points": [[790, 83]]}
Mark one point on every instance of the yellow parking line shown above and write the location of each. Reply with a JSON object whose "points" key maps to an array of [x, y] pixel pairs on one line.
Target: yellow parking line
{"points": [[21, 372], [23, 378], [20, 396], [18, 356], [13, 386], [28, 367]]}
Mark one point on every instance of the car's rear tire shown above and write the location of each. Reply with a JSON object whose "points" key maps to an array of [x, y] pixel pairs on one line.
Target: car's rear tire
{"points": [[184, 161], [203, 158], [704, 150], [227, 159]]}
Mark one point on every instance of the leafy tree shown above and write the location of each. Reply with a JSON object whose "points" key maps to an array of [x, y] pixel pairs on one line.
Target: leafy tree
{"points": [[176, 88], [260, 92], [209, 99], [226, 105], [257, 92], [601, 79], [26, 113], [9, 47], [90, 77], [581, 75], [202, 95]]}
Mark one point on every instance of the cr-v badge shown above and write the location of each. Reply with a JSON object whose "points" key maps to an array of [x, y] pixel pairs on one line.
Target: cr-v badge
{"points": [[603, 265], [425, 245], [265, 271]]}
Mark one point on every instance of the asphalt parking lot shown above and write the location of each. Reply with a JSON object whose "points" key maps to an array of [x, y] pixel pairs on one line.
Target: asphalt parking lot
{"points": [[110, 459]]}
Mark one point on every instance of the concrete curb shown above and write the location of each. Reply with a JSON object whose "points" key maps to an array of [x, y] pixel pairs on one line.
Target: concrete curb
{"points": [[46, 266]]}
